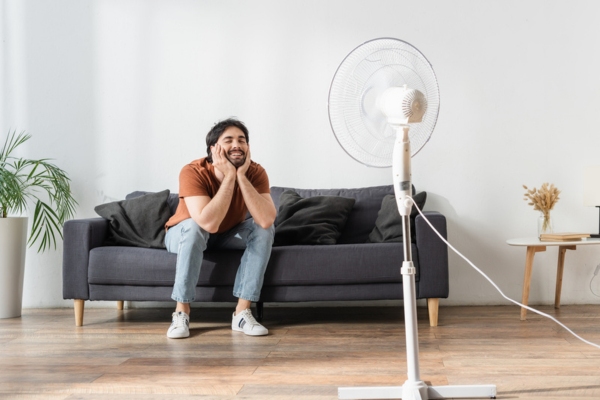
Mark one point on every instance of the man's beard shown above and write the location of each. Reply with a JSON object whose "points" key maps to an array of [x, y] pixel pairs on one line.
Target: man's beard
{"points": [[237, 162]]}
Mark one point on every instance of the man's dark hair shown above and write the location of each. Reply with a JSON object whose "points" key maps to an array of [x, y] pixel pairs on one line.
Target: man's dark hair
{"points": [[215, 133]]}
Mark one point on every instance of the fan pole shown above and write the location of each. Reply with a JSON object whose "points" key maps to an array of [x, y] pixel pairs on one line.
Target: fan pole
{"points": [[414, 388]]}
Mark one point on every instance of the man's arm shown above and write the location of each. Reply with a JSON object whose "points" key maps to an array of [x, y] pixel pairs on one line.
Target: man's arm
{"points": [[260, 205], [207, 212]]}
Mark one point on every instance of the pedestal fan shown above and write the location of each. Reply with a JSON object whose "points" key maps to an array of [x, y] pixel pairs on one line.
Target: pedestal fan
{"points": [[384, 98]]}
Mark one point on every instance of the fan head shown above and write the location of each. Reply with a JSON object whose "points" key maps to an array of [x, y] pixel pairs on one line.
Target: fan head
{"points": [[402, 106], [382, 83]]}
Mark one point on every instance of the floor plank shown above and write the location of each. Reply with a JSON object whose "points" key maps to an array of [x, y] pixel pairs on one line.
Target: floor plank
{"points": [[308, 354]]}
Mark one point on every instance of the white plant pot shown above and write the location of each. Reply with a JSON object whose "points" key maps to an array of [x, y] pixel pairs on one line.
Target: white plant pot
{"points": [[13, 243]]}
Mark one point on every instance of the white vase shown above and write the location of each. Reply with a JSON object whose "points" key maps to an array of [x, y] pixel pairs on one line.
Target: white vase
{"points": [[13, 243]]}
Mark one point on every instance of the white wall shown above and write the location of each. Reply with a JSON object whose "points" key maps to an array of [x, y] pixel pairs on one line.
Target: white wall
{"points": [[121, 94]]}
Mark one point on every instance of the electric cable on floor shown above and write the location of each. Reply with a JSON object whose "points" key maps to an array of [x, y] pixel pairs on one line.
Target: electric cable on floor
{"points": [[591, 280], [496, 286]]}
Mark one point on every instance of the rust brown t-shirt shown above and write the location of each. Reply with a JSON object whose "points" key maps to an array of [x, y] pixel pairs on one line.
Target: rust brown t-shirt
{"points": [[198, 179]]}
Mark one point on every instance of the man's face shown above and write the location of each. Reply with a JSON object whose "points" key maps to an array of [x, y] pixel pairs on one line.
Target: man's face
{"points": [[233, 141]]}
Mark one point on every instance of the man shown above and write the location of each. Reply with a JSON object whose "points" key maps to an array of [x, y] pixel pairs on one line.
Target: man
{"points": [[215, 194]]}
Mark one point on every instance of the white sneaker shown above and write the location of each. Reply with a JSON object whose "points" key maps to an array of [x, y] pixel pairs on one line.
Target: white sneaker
{"points": [[245, 322], [180, 327]]}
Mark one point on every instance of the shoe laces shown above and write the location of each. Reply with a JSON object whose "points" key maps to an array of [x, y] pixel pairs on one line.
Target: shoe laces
{"points": [[179, 319], [247, 315]]}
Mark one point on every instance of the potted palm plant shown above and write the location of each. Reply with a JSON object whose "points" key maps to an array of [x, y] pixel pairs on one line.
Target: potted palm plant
{"points": [[24, 182]]}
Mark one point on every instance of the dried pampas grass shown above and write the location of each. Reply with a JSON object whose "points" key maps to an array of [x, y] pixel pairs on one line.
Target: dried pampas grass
{"points": [[542, 200]]}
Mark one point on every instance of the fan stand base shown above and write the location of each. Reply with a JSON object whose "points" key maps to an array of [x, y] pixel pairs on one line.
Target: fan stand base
{"points": [[418, 391]]}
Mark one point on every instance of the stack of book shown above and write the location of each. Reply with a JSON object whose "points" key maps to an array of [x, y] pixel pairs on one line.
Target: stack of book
{"points": [[563, 237]]}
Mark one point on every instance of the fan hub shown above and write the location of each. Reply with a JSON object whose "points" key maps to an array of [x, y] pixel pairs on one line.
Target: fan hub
{"points": [[402, 105]]}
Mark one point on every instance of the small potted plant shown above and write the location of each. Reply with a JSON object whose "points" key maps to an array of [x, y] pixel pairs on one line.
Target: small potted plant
{"points": [[24, 182]]}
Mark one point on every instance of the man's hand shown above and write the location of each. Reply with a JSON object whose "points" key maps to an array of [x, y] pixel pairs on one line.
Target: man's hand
{"points": [[241, 171], [221, 162], [261, 206]]}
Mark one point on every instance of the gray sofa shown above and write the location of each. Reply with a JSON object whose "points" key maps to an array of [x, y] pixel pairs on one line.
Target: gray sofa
{"points": [[349, 270]]}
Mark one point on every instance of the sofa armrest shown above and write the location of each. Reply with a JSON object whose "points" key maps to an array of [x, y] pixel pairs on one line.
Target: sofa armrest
{"points": [[433, 256], [80, 236]]}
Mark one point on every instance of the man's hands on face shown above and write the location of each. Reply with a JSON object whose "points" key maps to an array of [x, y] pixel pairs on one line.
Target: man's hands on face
{"points": [[241, 171], [221, 162]]}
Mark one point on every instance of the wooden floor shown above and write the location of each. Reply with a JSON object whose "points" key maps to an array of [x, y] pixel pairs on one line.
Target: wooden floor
{"points": [[308, 354]]}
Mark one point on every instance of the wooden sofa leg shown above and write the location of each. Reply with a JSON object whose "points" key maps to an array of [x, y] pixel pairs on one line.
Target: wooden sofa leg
{"points": [[120, 304], [433, 306], [78, 306]]}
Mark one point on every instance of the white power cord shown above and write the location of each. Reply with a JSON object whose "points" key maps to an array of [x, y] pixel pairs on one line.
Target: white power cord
{"points": [[591, 280], [496, 286]]}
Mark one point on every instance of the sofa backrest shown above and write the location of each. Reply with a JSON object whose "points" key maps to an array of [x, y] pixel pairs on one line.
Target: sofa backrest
{"points": [[361, 220]]}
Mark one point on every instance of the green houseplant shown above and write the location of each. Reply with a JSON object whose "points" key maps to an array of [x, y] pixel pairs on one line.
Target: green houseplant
{"points": [[24, 182]]}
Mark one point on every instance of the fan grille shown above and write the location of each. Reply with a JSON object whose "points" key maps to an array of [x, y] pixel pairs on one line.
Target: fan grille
{"points": [[367, 71]]}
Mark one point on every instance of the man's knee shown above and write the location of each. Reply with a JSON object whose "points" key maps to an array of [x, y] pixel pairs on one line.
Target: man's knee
{"points": [[265, 233], [271, 230], [192, 233]]}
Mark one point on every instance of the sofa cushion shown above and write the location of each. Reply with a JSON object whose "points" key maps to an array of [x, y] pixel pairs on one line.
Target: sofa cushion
{"points": [[313, 220], [361, 219], [289, 265], [172, 200], [133, 266], [337, 265], [388, 226], [137, 222]]}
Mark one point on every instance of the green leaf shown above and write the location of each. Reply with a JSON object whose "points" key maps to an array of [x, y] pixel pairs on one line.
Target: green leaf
{"points": [[23, 181]]}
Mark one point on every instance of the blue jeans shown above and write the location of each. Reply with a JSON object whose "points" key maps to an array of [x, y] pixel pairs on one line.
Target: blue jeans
{"points": [[189, 241]]}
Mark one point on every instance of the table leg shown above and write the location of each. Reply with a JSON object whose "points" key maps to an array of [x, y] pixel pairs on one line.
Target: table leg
{"points": [[531, 250], [560, 267]]}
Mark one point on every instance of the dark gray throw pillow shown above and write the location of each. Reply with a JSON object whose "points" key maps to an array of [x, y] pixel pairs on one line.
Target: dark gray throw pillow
{"points": [[311, 220], [388, 226], [138, 222]]}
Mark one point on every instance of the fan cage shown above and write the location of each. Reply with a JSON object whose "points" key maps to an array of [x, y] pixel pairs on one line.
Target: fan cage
{"points": [[358, 124]]}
